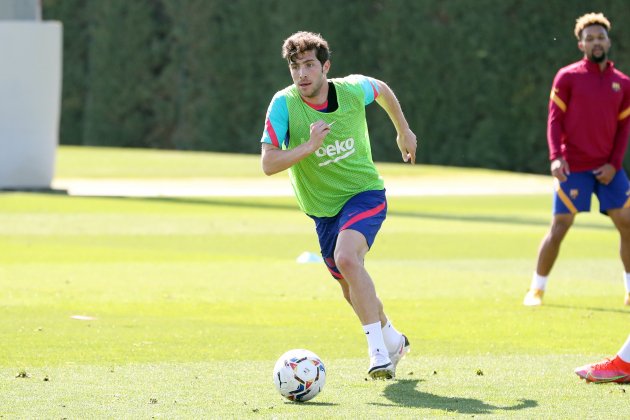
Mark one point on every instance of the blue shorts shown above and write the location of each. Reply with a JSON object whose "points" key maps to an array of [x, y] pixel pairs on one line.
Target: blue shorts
{"points": [[574, 194], [365, 213]]}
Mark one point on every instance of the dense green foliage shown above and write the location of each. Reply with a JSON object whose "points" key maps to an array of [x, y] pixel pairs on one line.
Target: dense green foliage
{"points": [[473, 76]]}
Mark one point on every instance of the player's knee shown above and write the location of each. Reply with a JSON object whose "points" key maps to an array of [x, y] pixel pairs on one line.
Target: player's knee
{"points": [[559, 228], [621, 219], [346, 261], [623, 225]]}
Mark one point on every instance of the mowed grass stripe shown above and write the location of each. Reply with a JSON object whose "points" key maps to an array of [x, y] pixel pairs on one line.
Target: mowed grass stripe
{"points": [[193, 299]]}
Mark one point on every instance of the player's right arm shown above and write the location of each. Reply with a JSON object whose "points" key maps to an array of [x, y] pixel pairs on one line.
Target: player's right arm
{"points": [[558, 100], [275, 154], [276, 160]]}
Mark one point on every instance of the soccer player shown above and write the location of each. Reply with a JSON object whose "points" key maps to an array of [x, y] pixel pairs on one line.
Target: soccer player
{"points": [[609, 370], [316, 128], [587, 134]]}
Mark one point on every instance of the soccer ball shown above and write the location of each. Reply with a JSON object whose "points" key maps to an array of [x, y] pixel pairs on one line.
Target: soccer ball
{"points": [[299, 375]]}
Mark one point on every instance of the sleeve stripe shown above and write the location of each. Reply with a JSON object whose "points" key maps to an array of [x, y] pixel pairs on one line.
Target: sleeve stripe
{"points": [[624, 114], [272, 133], [374, 90], [556, 100]]}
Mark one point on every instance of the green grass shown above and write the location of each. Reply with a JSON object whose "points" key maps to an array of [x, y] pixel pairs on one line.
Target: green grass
{"points": [[195, 298], [104, 162]]}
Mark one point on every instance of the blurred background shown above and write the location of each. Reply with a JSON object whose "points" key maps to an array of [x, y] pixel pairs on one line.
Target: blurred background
{"points": [[473, 77]]}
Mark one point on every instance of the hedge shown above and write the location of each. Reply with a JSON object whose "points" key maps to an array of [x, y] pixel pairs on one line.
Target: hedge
{"points": [[473, 77]]}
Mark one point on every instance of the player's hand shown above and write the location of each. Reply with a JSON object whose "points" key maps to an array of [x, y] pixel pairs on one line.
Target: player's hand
{"points": [[408, 144], [560, 169], [605, 173], [319, 131]]}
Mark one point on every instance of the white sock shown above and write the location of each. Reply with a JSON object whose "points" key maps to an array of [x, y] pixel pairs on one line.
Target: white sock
{"points": [[627, 279], [538, 282], [624, 353], [391, 336], [376, 344]]}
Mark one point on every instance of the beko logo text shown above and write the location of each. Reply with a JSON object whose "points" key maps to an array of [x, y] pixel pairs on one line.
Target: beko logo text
{"points": [[334, 149], [339, 150]]}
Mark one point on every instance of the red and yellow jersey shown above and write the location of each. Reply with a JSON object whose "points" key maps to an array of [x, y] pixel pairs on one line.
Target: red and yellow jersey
{"points": [[589, 116]]}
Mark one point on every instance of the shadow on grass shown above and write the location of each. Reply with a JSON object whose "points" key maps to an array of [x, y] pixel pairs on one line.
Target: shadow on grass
{"points": [[404, 393], [475, 218], [492, 219], [253, 204], [211, 202], [583, 308]]}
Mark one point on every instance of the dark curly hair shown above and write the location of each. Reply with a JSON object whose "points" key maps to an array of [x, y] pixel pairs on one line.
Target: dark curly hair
{"points": [[303, 41]]}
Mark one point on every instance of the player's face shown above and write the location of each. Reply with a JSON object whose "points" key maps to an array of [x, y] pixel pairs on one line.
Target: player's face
{"points": [[595, 43], [308, 74]]}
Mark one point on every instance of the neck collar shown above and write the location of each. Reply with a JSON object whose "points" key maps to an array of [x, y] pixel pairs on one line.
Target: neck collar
{"points": [[594, 67]]}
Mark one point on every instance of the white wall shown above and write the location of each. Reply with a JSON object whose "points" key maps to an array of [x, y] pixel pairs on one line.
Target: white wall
{"points": [[30, 102]]}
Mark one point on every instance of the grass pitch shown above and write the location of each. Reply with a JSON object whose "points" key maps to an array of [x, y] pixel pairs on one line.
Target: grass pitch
{"points": [[185, 303]]}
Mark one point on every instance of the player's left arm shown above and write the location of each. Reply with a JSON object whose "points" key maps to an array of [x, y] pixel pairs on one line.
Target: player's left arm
{"points": [[405, 138], [605, 173]]}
